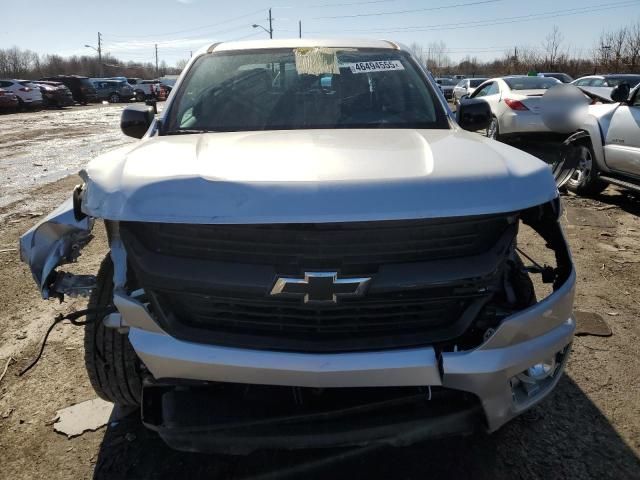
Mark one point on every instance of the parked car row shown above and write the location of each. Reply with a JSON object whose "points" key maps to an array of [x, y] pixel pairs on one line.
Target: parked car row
{"points": [[64, 90]]}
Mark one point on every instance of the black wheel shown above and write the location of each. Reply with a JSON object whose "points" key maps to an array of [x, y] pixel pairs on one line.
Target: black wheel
{"points": [[21, 105], [584, 180], [114, 98], [112, 364], [493, 130], [140, 96]]}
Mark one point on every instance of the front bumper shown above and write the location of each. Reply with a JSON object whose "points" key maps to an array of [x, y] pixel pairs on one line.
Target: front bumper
{"points": [[522, 340]]}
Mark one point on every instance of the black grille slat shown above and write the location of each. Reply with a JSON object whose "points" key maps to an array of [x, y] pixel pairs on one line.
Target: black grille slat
{"points": [[363, 243], [371, 316]]}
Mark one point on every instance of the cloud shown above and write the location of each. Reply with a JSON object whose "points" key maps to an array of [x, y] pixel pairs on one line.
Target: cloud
{"points": [[186, 2]]}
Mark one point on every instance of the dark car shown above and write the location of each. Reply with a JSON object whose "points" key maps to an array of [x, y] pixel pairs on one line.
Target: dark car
{"points": [[113, 90], [8, 101], [54, 94], [81, 87], [563, 77]]}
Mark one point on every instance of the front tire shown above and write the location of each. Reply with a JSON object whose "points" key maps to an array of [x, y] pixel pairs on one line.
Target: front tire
{"points": [[112, 365], [584, 180]]}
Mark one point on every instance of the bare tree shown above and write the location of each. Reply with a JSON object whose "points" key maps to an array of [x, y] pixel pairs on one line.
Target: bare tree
{"points": [[180, 64], [618, 42], [418, 51], [551, 46], [632, 46], [437, 59]]}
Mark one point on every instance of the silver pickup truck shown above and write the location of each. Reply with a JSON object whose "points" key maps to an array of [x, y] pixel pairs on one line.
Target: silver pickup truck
{"points": [[307, 249], [606, 146]]}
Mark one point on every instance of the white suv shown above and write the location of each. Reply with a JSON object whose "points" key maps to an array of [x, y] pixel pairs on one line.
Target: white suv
{"points": [[307, 250], [29, 95]]}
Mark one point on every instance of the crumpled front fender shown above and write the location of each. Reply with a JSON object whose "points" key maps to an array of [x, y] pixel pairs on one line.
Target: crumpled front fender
{"points": [[56, 240]]}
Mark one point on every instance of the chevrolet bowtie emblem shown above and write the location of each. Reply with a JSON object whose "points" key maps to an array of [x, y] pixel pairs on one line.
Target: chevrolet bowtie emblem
{"points": [[320, 287]]}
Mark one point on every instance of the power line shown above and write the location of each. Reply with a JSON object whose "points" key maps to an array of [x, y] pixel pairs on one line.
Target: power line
{"points": [[228, 20], [350, 4], [506, 20], [415, 10]]}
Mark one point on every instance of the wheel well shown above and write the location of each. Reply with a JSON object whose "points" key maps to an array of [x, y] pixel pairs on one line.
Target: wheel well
{"points": [[581, 137]]}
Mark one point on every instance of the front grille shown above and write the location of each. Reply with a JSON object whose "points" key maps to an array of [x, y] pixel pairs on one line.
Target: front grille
{"points": [[373, 322], [336, 245], [183, 268]]}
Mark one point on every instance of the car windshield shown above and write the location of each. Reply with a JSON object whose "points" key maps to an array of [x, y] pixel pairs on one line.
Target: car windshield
{"points": [[531, 83], [615, 81], [447, 82], [474, 82], [304, 88]]}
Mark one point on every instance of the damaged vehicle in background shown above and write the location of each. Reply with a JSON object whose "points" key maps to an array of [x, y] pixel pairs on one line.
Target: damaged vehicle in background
{"points": [[605, 148], [81, 88], [259, 294], [515, 105], [54, 94]]}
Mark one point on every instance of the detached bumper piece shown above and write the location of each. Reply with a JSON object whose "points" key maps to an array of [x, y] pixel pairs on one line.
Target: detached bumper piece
{"points": [[238, 419]]}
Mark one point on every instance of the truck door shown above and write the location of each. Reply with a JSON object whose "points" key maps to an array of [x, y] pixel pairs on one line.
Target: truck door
{"points": [[622, 142]]}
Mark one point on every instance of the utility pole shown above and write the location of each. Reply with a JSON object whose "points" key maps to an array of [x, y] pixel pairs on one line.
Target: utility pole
{"points": [[100, 53], [299, 28], [270, 24], [157, 75]]}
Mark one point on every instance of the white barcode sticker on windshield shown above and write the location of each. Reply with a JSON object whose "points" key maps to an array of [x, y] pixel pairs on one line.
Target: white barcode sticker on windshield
{"points": [[375, 66]]}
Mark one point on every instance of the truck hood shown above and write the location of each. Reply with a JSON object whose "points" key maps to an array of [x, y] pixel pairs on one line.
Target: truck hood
{"points": [[313, 176]]}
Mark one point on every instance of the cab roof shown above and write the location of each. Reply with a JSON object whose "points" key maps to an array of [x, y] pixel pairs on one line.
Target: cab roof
{"points": [[300, 43]]}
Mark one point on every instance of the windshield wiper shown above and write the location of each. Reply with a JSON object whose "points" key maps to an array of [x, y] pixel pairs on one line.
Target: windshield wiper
{"points": [[188, 131]]}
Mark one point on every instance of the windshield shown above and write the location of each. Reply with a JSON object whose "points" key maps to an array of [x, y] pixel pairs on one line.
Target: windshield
{"points": [[303, 89], [474, 82], [632, 81], [531, 83]]}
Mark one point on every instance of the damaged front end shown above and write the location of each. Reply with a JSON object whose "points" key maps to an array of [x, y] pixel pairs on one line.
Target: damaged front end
{"points": [[57, 240]]}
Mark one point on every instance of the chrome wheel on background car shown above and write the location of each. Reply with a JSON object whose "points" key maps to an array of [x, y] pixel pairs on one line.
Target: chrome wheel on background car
{"points": [[493, 130], [114, 98]]}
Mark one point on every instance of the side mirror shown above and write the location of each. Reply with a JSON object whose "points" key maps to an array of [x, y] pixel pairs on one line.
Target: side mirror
{"points": [[621, 93], [135, 120], [473, 114]]}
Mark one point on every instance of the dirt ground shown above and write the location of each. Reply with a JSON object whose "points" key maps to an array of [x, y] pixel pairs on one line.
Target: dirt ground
{"points": [[588, 428]]}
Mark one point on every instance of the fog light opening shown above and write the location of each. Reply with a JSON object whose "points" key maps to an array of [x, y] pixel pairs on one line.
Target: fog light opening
{"points": [[536, 378]]}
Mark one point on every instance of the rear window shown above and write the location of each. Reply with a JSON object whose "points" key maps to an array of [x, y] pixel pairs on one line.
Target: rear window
{"points": [[287, 89], [474, 82], [531, 83]]}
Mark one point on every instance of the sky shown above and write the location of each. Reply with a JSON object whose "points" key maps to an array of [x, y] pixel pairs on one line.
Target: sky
{"points": [[480, 28]]}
